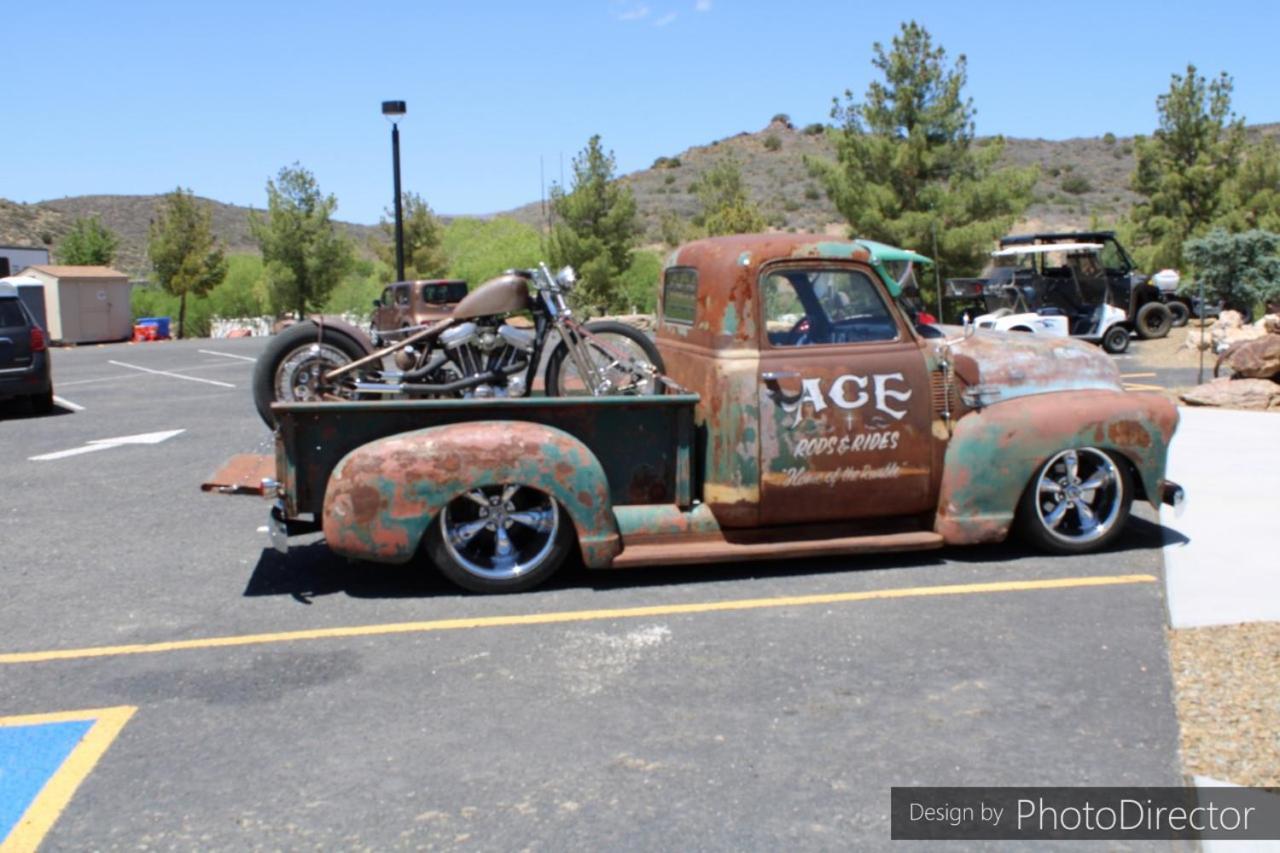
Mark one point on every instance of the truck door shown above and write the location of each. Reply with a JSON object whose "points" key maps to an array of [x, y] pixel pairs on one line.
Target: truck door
{"points": [[845, 406]]}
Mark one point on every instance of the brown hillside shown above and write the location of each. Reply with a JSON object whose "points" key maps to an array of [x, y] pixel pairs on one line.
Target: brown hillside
{"points": [[1078, 179], [129, 216]]}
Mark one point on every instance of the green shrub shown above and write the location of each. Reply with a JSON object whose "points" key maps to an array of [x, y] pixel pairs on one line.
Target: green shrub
{"points": [[1109, 138], [669, 179], [812, 193], [781, 118], [815, 129], [1076, 184], [1241, 270], [772, 142], [666, 163], [479, 249], [640, 281]]}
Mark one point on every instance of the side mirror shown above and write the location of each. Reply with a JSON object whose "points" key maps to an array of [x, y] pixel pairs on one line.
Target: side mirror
{"points": [[377, 303]]}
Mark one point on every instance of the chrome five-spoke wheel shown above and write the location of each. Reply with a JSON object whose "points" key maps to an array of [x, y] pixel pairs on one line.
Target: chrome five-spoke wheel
{"points": [[1077, 501], [499, 538]]}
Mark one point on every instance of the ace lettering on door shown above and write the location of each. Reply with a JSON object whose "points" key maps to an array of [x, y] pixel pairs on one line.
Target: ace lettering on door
{"points": [[844, 402]]}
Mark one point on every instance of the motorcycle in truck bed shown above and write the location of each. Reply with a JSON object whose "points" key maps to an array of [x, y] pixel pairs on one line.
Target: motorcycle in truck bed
{"points": [[820, 421]]}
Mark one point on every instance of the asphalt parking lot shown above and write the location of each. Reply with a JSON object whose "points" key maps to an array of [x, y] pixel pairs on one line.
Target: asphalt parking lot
{"points": [[305, 701]]}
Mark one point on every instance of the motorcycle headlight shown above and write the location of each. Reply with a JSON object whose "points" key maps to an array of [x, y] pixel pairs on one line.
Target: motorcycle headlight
{"points": [[566, 278]]}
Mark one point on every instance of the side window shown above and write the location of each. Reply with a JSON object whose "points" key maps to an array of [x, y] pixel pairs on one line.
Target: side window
{"points": [[1112, 259], [680, 295], [402, 295], [814, 306], [386, 296]]}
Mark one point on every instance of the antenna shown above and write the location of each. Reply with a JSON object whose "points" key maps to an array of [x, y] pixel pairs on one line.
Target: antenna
{"points": [[542, 194]]}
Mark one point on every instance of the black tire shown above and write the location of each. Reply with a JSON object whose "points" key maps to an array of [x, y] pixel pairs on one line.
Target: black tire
{"points": [[1043, 520], [42, 404], [292, 344], [561, 367], [1153, 321], [1179, 313], [534, 525], [1116, 339]]}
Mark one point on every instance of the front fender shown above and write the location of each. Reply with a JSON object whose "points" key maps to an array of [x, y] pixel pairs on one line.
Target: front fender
{"points": [[994, 452], [382, 495]]}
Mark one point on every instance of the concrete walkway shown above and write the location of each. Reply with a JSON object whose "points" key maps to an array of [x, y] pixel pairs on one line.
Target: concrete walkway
{"points": [[1222, 563]]}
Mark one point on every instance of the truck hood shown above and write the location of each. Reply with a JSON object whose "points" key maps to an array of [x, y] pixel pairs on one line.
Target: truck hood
{"points": [[998, 366]]}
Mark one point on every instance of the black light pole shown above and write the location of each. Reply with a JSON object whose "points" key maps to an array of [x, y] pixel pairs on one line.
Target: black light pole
{"points": [[393, 110]]}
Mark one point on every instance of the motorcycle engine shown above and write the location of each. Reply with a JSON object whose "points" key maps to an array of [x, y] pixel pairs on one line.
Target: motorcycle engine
{"points": [[480, 348]]}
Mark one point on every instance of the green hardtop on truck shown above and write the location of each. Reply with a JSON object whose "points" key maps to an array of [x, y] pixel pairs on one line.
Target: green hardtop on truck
{"points": [[810, 417]]}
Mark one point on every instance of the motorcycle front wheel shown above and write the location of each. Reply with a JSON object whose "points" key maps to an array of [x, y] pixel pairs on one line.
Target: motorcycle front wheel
{"points": [[292, 367], [625, 358]]}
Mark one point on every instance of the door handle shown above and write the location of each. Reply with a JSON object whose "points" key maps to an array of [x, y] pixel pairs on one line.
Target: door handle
{"points": [[771, 378]]}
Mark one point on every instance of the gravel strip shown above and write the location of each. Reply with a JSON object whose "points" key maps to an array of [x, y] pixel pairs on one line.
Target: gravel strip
{"points": [[1227, 683]]}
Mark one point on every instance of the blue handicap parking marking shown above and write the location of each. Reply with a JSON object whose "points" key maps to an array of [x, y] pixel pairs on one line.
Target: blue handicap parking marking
{"points": [[29, 757]]}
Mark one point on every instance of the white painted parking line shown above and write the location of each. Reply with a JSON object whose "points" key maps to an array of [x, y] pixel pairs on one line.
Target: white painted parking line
{"points": [[67, 404], [62, 384], [174, 375], [227, 355], [108, 443]]}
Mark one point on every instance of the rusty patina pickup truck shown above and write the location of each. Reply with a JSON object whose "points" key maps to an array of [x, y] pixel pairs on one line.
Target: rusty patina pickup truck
{"points": [[818, 421]]}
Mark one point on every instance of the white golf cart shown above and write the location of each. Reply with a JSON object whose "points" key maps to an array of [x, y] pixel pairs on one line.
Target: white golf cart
{"points": [[1054, 289]]}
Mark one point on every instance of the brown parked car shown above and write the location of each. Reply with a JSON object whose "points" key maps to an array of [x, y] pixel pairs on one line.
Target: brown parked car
{"points": [[406, 304]]}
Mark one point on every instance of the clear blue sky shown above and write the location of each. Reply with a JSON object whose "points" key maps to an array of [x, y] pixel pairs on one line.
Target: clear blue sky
{"points": [[134, 97]]}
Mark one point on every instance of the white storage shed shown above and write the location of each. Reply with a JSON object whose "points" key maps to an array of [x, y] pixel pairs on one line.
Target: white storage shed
{"points": [[85, 305]]}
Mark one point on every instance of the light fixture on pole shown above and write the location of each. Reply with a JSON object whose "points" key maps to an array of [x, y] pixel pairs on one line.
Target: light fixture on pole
{"points": [[394, 110]]}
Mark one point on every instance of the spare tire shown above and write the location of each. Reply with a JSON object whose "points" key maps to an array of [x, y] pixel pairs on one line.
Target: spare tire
{"points": [[1153, 320]]}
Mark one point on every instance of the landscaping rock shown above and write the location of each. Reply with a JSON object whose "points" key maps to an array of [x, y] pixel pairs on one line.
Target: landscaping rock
{"points": [[1257, 359], [1270, 324], [1257, 394]]}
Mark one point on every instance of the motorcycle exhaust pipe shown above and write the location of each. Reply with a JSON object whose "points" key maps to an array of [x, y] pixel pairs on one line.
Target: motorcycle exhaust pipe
{"points": [[444, 388]]}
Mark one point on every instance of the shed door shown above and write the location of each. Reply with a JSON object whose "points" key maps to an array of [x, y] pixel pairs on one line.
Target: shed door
{"points": [[95, 312], [845, 404]]}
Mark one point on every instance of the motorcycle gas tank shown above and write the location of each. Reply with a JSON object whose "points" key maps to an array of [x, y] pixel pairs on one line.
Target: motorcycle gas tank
{"points": [[505, 294]]}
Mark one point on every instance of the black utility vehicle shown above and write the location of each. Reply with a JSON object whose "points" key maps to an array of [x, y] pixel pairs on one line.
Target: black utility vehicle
{"points": [[1128, 289], [24, 354]]}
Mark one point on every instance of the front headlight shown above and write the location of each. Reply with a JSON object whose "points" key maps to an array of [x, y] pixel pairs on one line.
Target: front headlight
{"points": [[566, 278]]}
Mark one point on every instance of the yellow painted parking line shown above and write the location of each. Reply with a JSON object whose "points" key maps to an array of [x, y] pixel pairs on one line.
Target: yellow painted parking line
{"points": [[570, 616], [1136, 386], [1137, 375], [57, 792]]}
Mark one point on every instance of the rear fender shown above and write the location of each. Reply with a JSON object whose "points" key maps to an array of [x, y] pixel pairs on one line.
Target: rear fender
{"points": [[382, 495], [994, 452], [337, 324]]}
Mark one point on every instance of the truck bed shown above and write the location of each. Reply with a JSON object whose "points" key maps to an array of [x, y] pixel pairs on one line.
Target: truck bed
{"points": [[645, 444]]}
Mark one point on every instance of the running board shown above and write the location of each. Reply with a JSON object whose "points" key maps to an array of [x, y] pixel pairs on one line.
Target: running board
{"points": [[718, 550]]}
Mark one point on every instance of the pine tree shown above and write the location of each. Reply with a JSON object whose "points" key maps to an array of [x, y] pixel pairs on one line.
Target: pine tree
{"points": [[304, 254], [424, 255], [908, 171], [88, 243], [726, 208], [595, 229], [1185, 167], [185, 256]]}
